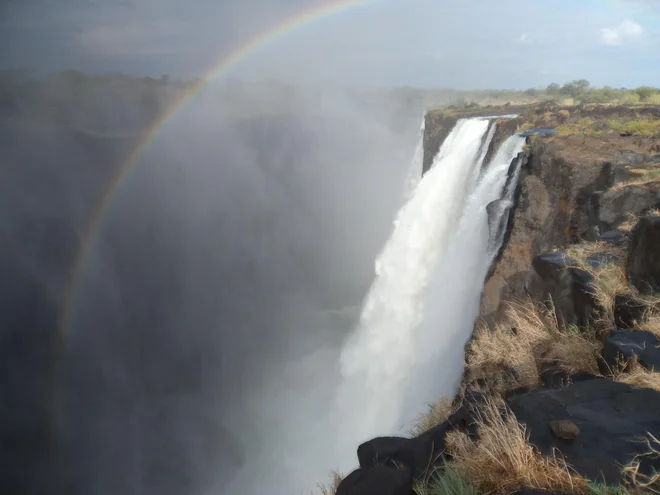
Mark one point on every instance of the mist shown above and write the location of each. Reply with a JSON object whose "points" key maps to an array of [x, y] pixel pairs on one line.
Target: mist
{"points": [[201, 354]]}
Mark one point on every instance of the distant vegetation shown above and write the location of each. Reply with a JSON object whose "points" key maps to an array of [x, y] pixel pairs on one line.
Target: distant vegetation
{"points": [[118, 102]]}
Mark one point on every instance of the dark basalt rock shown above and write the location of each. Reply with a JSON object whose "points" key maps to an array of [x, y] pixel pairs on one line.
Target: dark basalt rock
{"points": [[420, 453], [552, 376], [571, 290], [627, 311], [643, 267], [615, 238], [379, 480], [611, 418], [548, 265], [615, 205], [622, 346]]}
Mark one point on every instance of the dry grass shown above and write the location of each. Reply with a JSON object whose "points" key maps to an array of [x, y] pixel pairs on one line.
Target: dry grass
{"points": [[512, 354], [648, 482], [502, 460], [651, 324], [437, 414], [335, 479], [611, 281], [640, 377]]}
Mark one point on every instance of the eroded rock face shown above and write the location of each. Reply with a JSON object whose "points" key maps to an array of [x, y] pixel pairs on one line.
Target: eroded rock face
{"points": [[610, 417], [545, 218], [643, 267], [617, 204], [571, 290]]}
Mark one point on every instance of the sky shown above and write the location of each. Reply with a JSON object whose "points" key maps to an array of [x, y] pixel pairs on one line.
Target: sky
{"points": [[424, 43]]}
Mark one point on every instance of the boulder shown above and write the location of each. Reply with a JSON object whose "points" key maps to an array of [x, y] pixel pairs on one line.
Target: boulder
{"points": [[627, 311], [553, 376], [622, 346], [643, 266], [571, 290], [611, 418], [379, 480], [616, 204], [421, 452], [615, 238]]}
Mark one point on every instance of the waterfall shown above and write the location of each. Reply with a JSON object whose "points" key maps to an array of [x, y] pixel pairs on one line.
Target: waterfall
{"points": [[415, 170], [407, 349]]}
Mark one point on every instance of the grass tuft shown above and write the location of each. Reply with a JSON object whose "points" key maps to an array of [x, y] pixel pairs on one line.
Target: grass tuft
{"points": [[648, 482], [503, 461], [640, 377], [512, 354], [437, 413], [335, 479], [446, 481]]}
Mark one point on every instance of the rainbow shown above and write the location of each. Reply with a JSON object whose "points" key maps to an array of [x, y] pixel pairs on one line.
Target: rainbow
{"points": [[221, 68]]}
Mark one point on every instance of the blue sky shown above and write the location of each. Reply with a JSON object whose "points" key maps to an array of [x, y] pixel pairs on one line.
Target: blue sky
{"points": [[440, 43]]}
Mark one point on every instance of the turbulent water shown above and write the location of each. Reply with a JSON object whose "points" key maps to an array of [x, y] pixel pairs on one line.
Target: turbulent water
{"points": [[408, 347]]}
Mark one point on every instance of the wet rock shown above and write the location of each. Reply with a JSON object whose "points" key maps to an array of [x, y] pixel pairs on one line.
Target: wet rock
{"points": [[564, 429], [615, 238], [627, 311], [570, 289], [611, 418], [643, 267], [379, 480], [620, 347], [616, 204]]}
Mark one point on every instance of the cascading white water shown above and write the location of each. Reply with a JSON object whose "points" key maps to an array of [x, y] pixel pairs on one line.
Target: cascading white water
{"points": [[408, 347], [415, 171], [378, 359]]}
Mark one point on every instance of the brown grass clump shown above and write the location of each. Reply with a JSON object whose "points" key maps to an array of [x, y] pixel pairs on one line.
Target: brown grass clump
{"points": [[335, 479], [437, 413], [640, 377], [648, 482], [610, 278], [503, 461], [512, 354], [651, 324]]}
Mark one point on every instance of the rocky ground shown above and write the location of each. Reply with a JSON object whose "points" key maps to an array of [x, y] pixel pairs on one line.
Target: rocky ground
{"points": [[561, 390]]}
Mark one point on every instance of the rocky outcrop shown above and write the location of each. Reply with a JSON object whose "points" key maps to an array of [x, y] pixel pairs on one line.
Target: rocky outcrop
{"points": [[615, 205], [544, 218], [643, 268], [611, 418], [595, 424], [554, 278]]}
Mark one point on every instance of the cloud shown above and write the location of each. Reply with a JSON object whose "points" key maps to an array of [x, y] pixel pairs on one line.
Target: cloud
{"points": [[626, 31]]}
